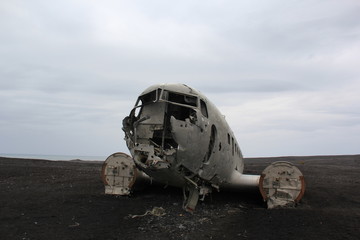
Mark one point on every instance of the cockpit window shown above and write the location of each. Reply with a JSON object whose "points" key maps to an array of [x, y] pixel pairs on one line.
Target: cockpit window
{"points": [[204, 110], [148, 98], [181, 99]]}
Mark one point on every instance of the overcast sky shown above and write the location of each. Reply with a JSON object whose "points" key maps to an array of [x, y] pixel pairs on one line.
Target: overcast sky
{"points": [[285, 73]]}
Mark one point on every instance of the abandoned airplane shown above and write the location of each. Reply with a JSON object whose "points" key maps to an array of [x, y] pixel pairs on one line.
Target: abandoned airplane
{"points": [[177, 137]]}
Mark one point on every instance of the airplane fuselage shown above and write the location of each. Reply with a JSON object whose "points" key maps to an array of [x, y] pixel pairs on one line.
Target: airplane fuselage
{"points": [[177, 137], [175, 134]]}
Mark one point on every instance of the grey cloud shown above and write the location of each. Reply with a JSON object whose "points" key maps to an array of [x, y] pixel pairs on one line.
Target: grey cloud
{"points": [[254, 85], [71, 70]]}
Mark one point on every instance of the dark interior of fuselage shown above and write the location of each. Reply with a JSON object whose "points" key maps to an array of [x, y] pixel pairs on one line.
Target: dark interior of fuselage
{"points": [[164, 136], [179, 106]]}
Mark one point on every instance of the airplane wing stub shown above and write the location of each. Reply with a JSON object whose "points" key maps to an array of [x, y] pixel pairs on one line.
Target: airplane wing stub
{"points": [[281, 184]]}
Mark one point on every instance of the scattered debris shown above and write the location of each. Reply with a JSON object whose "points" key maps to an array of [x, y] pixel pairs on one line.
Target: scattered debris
{"points": [[76, 224], [182, 227], [156, 211]]}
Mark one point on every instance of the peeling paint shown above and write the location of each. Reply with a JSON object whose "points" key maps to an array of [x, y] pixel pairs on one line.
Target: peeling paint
{"points": [[282, 184]]}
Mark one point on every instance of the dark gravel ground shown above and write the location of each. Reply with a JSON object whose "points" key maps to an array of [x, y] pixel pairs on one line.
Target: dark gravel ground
{"points": [[42, 199]]}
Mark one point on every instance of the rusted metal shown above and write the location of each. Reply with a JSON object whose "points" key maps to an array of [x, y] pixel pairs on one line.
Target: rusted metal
{"points": [[281, 184], [119, 174]]}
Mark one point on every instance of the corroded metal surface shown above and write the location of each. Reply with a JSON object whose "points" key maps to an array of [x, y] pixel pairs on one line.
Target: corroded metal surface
{"points": [[281, 184], [118, 174]]}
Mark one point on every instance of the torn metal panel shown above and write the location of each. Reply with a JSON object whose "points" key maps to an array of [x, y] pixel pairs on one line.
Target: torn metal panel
{"points": [[154, 113], [191, 200], [282, 184], [188, 136]]}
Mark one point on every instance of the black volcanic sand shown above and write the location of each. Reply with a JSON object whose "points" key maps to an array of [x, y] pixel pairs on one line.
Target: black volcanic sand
{"points": [[42, 199]]}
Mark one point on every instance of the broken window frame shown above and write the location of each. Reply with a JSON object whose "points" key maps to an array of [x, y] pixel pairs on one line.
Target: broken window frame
{"points": [[164, 97], [140, 98], [140, 103]]}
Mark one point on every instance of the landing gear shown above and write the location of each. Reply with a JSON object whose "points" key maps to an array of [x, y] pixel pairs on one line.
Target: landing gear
{"points": [[191, 200], [194, 193]]}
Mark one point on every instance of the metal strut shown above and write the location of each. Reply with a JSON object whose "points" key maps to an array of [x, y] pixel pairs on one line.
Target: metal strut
{"points": [[190, 201]]}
